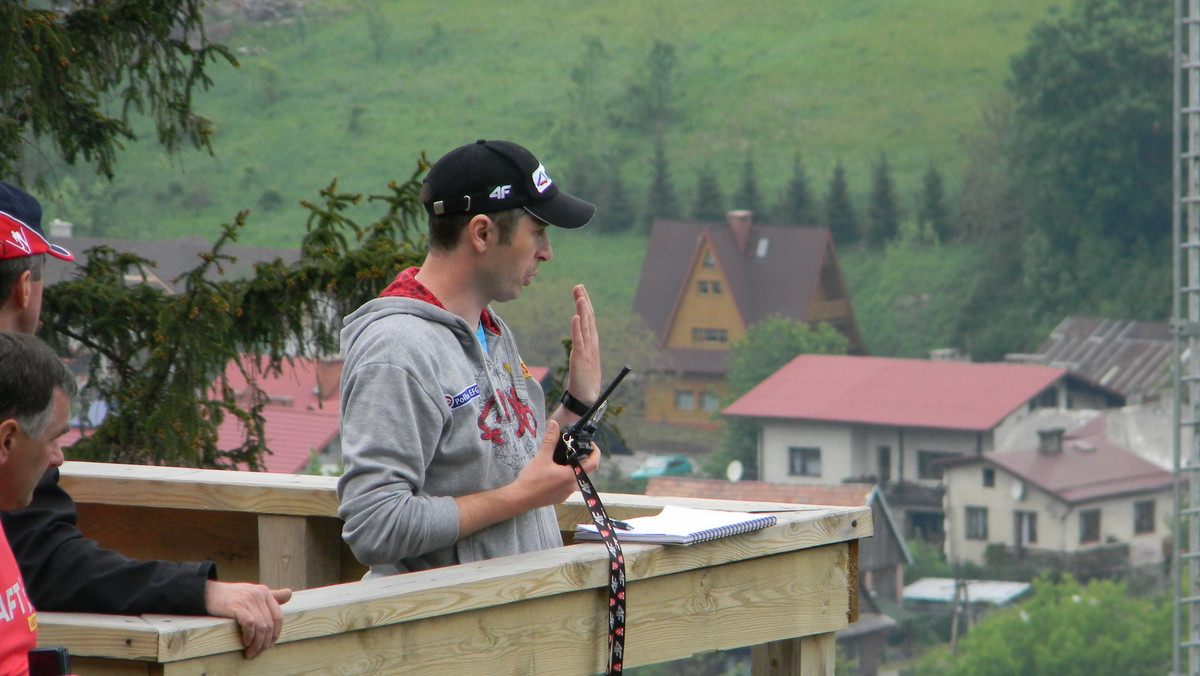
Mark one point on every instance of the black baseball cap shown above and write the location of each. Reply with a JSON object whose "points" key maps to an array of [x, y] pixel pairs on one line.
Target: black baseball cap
{"points": [[21, 226], [488, 176]]}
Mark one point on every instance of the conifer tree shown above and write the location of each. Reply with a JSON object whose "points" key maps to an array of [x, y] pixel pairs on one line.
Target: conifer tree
{"points": [[660, 200], [709, 204], [796, 203], [839, 212], [77, 73], [883, 212], [931, 205], [748, 196]]}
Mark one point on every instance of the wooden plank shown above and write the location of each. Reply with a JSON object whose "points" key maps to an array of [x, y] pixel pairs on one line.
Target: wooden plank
{"points": [[671, 617], [804, 656], [297, 552], [200, 489], [228, 538], [116, 636]]}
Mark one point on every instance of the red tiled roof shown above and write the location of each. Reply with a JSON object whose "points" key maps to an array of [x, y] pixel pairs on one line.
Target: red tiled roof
{"points": [[838, 495], [899, 392]]}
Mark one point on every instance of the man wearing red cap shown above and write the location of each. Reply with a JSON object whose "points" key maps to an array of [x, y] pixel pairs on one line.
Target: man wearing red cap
{"points": [[445, 440], [64, 571]]}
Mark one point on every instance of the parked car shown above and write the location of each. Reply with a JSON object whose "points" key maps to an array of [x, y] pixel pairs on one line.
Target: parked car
{"points": [[663, 465]]}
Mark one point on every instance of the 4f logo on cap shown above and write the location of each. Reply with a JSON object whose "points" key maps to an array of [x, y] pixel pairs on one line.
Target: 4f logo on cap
{"points": [[500, 192], [541, 180]]}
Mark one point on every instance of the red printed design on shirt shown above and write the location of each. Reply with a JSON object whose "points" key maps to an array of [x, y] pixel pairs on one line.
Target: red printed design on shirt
{"points": [[18, 620]]}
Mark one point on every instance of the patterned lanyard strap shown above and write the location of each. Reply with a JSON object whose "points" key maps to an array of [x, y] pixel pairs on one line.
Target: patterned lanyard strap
{"points": [[616, 573]]}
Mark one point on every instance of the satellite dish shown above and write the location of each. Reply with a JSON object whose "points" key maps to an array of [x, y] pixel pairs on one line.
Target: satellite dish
{"points": [[734, 471], [1018, 490]]}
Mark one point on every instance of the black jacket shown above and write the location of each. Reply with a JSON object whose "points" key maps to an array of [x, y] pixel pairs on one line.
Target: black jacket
{"points": [[65, 571]]}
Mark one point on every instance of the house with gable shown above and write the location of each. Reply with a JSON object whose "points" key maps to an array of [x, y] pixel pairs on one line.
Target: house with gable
{"points": [[1074, 495], [828, 419], [703, 284]]}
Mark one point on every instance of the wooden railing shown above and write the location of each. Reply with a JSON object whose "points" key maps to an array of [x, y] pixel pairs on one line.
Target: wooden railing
{"points": [[784, 589]]}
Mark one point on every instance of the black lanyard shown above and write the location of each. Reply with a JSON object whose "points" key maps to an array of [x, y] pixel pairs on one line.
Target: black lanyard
{"points": [[616, 573]]}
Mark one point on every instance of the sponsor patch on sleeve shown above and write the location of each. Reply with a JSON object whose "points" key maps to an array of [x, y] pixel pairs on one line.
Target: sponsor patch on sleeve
{"points": [[463, 398]]}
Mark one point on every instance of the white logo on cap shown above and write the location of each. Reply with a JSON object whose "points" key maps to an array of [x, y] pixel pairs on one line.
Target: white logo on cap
{"points": [[500, 192], [541, 180], [19, 240]]}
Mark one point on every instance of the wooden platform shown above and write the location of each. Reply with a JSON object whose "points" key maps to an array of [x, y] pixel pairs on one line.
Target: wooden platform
{"points": [[784, 589]]}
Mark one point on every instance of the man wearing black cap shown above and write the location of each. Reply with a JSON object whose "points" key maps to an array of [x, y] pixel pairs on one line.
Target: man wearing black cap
{"points": [[445, 442], [63, 570]]}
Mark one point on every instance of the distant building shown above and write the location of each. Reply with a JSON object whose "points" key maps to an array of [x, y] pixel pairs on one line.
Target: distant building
{"points": [[829, 419], [704, 284], [1074, 494]]}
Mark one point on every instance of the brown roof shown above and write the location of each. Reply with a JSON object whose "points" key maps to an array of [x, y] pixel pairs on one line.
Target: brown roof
{"points": [[1127, 356], [783, 281], [1090, 467]]}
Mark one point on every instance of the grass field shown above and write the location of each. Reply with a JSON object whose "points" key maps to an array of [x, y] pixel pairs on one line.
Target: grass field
{"points": [[358, 90]]}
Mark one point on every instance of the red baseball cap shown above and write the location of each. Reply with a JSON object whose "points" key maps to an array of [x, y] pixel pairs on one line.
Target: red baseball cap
{"points": [[21, 226]]}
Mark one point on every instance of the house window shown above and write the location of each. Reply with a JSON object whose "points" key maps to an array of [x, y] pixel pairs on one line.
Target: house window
{"points": [[685, 400], [710, 336], [1143, 516], [1089, 525], [989, 477], [804, 461], [926, 469], [883, 455], [709, 261], [715, 286], [703, 286], [708, 401], [977, 523], [1026, 526]]}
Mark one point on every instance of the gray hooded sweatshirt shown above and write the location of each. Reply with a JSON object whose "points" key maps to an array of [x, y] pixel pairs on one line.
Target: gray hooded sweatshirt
{"points": [[426, 416]]}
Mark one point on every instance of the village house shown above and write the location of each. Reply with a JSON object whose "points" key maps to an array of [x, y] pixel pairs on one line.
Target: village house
{"points": [[828, 419], [1072, 495], [704, 284]]}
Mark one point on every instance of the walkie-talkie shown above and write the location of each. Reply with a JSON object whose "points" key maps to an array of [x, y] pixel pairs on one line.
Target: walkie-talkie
{"points": [[577, 439]]}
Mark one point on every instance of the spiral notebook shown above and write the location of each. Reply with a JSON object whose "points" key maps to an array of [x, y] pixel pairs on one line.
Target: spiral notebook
{"points": [[682, 526]]}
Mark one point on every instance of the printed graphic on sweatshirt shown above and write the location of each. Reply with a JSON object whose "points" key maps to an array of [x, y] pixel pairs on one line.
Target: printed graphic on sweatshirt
{"points": [[506, 420]]}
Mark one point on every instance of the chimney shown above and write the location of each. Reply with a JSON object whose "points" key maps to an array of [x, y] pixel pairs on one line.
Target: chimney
{"points": [[1050, 442], [740, 222], [61, 229]]}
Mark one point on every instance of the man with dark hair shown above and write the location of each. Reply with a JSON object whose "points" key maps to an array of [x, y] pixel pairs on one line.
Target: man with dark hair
{"points": [[445, 442], [63, 570], [35, 403]]}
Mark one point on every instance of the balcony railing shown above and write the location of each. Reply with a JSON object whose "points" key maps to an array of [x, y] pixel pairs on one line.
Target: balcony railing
{"points": [[784, 590]]}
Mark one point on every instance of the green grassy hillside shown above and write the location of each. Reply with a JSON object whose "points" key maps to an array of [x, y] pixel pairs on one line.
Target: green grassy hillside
{"points": [[357, 90]]}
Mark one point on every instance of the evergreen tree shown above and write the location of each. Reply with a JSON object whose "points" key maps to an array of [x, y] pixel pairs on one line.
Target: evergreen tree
{"points": [[931, 205], [839, 212], [77, 73], [883, 213], [660, 200], [164, 381], [709, 204], [616, 207], [796, 203], [748, 196]]}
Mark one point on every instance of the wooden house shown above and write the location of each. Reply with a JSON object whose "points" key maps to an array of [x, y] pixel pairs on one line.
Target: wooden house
{"points": [[703, 284]]}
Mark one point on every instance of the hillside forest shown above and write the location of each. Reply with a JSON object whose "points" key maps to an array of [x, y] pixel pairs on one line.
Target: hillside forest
{"points": [[981, 183]]}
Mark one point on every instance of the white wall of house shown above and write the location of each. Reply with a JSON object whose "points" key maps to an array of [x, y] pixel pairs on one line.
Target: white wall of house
{"points": [[1058, 525], [848, 450]]}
